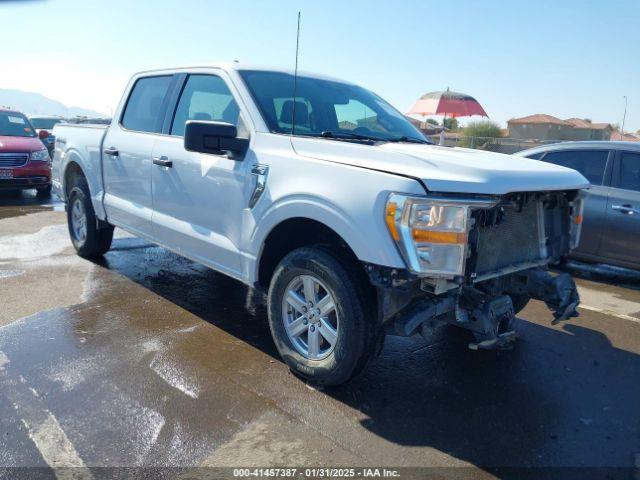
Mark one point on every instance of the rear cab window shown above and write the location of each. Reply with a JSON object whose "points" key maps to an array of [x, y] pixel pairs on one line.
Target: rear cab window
{"points": [[144, 109], [592, 164]]}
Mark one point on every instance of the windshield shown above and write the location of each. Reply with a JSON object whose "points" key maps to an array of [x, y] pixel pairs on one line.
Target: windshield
{"points": [[326, 108], [13, 124], [44, 123]]}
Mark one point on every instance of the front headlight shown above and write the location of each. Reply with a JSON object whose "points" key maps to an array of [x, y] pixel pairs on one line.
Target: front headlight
{"points": [[431, 233], [40, 156]]}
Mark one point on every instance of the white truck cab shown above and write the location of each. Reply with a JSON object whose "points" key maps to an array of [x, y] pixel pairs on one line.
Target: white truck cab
{"points": [[323, 195]]}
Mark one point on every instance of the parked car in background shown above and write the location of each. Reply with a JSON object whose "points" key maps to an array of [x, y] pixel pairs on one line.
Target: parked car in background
{"points": [[329, 200], [44, 123], [24, 160], [611, 225]]}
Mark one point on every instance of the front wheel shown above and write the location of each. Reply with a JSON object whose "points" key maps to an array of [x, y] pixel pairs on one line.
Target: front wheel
{"points": [[86, 237], [322, 315]]}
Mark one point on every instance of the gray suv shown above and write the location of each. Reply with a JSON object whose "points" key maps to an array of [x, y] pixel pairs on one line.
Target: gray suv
{"points": [[611, 226]]}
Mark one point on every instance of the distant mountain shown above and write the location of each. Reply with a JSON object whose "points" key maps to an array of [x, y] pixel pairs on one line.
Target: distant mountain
{"points": [[31, 103]]}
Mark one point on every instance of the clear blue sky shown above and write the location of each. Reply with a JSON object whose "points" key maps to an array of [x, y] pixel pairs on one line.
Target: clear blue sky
{"points": [[565, 58]]}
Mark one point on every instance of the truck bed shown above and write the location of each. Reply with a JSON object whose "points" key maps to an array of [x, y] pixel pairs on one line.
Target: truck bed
{"points": [[82, 144]]}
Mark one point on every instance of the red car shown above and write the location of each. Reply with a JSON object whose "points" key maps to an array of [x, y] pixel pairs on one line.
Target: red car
{"points": [[24, 160]]}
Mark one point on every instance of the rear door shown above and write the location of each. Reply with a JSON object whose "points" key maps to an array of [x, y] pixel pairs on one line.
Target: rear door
{"points": [[596, 166], [621, 243], [199, 199], [127, 149]]}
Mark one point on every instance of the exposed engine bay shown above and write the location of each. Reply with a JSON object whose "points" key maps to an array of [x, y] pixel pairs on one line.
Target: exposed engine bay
{"points": [[510, 245]]}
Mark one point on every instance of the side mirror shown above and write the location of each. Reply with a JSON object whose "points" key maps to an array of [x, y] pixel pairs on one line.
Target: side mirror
{"points": [[213, 137], [43, 134]]}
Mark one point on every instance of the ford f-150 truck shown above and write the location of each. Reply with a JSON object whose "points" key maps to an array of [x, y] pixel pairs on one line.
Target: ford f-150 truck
{"points": [[321, 194]]}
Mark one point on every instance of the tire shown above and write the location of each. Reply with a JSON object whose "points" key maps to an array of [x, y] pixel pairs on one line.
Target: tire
{"points": [[519, 302], [44, 192], [89, 241], [353, 321]]}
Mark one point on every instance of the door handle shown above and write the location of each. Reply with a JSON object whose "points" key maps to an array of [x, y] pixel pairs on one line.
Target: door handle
{"points": [[163, 161], [626, 209], [112, 151]]}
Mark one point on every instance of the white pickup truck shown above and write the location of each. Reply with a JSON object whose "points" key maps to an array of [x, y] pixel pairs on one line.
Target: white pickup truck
{"points": [[320, 193]]}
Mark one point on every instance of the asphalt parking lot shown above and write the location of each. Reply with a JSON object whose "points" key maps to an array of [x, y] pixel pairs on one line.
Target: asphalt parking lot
{"points": [[147, 359]]}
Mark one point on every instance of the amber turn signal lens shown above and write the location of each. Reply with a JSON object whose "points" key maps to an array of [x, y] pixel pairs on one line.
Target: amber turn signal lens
{"points": [[577, 219], [429, 236], [390, 218]]}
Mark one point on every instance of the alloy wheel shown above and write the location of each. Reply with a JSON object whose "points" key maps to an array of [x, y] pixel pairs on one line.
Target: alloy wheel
{"points": [[310, 317], [78, 221]]}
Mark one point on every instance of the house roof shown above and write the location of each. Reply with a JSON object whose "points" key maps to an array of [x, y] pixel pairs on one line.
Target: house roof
{"points": [[626, 137], [540, 118], [600, 126], [580, 123]]}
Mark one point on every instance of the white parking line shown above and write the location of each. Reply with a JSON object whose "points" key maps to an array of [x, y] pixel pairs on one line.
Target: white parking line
{"points": [[610, 313], [56, 449], [43, 428], [3, 360]]}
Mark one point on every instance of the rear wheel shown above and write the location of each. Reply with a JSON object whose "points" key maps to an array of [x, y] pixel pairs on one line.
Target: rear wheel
{"points": [[322, 315], [87, 238]]}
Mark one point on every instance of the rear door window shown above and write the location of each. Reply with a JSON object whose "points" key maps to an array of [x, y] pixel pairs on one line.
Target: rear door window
{"points": [[590, 163], [144, 110], [629, 171]]}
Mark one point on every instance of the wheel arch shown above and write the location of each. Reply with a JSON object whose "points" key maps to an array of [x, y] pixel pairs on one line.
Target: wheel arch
{"points": [[362, 238], [72, 170], [292, 233], [76, 166]]}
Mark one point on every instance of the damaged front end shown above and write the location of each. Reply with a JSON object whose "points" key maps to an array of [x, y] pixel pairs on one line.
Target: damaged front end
{"points": [[510, 241]]}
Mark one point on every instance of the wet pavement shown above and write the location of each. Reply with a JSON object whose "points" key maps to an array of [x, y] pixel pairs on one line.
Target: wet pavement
{"points": [[147, 359]]}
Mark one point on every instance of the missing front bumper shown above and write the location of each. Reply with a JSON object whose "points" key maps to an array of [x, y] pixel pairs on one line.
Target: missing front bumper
{"points": [[489, 316]]}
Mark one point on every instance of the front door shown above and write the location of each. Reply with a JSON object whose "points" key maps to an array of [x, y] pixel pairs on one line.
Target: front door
{"points": [[621, 241], [127, 150], [198, 199]]}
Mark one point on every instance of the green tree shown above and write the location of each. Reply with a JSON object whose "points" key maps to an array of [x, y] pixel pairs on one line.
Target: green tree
{"points": [[450, 123], [479, 134], [432, 121]]}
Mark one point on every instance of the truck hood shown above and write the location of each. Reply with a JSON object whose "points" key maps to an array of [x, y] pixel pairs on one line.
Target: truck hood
{"points": [[19, 144], [446, 169]]}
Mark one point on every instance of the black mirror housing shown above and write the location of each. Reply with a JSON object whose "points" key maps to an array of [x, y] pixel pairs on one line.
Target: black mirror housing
{"points": [[215, 138]]}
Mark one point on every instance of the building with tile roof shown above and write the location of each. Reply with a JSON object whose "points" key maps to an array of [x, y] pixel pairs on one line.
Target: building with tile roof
{"points": [[547, 127]]}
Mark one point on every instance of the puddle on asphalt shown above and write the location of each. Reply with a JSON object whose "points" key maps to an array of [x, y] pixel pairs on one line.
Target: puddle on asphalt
{"points": [[16, 204]]}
